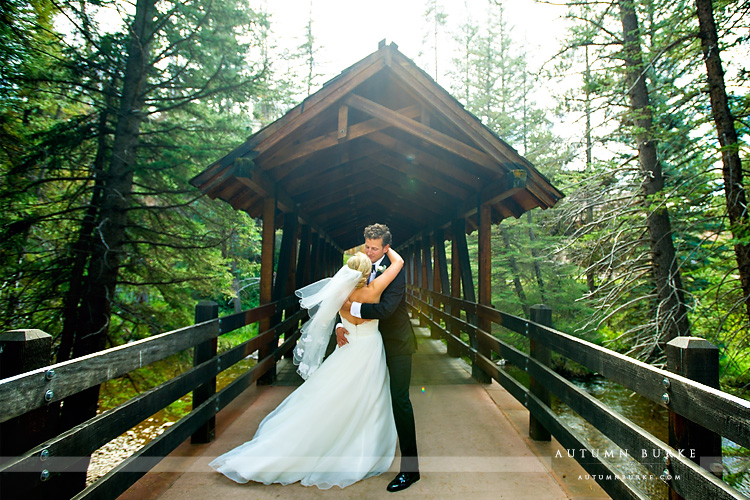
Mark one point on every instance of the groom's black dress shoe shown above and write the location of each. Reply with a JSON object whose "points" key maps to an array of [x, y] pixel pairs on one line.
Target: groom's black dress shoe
{"points": [[403, 481]]}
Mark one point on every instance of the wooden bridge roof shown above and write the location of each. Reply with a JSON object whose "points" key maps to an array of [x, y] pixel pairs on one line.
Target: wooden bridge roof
{"points": [[381, 142]]}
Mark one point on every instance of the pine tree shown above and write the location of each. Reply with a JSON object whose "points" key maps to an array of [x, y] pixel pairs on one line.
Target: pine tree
{"points": [[735, 191], [610, 245], [106, 236], [435, 19]]}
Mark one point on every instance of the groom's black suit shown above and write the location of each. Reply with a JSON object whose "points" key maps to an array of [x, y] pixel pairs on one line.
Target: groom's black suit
{"points": [[400, 343]]}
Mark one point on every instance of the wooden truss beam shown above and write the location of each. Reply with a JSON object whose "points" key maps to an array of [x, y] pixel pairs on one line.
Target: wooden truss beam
{"points": [[246, 172], [423, 132], [343, 133]]}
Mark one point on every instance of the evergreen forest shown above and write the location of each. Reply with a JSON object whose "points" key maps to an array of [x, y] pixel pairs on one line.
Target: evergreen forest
{"points": [[644, 126]]}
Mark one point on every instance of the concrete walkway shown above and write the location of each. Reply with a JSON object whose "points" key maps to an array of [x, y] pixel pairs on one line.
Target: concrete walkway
{"points": [[473, 443]]}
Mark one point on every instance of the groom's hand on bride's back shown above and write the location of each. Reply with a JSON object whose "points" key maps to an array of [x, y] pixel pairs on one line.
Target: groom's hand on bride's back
{"points": [[341, 334]]}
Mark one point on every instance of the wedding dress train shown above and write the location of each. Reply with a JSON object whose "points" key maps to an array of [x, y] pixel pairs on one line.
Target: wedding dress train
{"points": [[335, 429]]}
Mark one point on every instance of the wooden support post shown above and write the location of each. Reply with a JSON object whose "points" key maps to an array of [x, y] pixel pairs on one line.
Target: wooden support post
{"points": [[430, 278], [427, 281], [455, 292], [322, 263], [291, 284], [541, 314], [325, 259], [436, 277], [485, 281], [436, 331], [418, 278], [418, 266], [485, 259], [416, 263], [427, 258], [303, 258], [441, 265], [205, 310], [406, 254], [284, 269], [266, 283], [413, 264], [292, 276], [696, 359], [286, 255], [329, 260], [343, 122], [333, 260], [424, 257], [315, 258], [22, 351], [467, 279]]}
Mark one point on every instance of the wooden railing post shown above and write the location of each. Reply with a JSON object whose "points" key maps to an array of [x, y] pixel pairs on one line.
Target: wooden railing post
{"points": [[268, 239], [441, 265], [697, 359], [455, 292], [205, 310], [22, 351], [541, 314], [418, 279], [428, 282], [285, 269], [484, 286]]}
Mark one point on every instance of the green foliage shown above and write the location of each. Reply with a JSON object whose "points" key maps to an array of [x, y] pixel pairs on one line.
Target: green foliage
{"points": [[58, 118], [604, 213]]}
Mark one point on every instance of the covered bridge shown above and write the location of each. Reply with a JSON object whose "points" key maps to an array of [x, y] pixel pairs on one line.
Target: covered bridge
{"points": [[381, 142]]}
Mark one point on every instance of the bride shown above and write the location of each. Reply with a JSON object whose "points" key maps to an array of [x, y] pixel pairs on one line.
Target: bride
{"points": [[337, 427]]}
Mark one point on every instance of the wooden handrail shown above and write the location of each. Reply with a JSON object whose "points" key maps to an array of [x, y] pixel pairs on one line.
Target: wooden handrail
{"points": [[72, 376], [716, 410], [723, 413], [125, 474], [27, 391], [720, 412]]}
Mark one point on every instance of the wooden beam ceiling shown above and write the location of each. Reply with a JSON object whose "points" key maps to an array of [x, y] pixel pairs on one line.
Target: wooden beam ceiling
{"points": [[380, 142], [424, 132]]}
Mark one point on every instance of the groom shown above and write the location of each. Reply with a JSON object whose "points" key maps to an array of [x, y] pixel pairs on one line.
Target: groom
{"points": [[399, 342]]}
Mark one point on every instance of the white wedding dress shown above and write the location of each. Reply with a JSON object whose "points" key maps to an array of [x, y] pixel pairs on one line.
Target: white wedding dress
{"points": [[334, 430]]}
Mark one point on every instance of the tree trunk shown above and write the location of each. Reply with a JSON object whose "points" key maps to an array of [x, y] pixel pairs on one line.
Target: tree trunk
{"points": [[514, 271], [590, 277], [81, 249], [103, 270], [535, 256], [730, 153], [671, 318]]}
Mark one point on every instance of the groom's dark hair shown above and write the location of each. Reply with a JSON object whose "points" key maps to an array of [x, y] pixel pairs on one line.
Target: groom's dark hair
{"points": [[378, 231]]}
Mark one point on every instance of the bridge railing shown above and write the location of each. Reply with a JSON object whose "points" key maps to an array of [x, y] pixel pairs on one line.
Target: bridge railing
{"points": [[33, 474], [716, 411]]}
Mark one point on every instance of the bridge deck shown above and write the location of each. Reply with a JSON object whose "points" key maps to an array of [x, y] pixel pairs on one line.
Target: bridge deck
{"points": [[473, 441]]}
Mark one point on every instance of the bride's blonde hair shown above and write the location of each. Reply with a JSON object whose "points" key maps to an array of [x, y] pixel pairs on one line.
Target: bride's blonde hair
{"points": [[362, 263]]}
